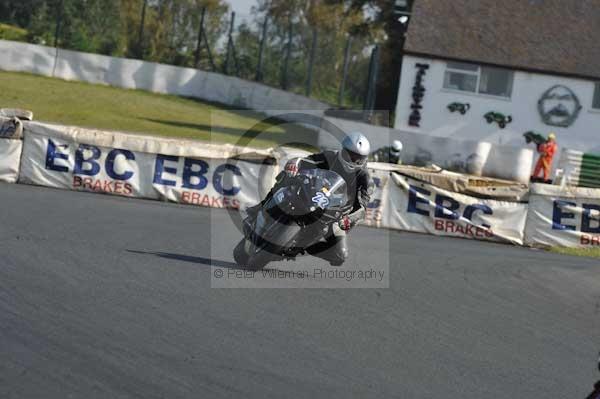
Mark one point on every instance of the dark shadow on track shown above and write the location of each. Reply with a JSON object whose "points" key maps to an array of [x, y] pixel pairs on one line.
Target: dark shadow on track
{"points": [[191, 259]]}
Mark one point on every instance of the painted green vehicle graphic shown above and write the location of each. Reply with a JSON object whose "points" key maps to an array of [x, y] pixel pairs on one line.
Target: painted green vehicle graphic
{"points": [[501, 119]]}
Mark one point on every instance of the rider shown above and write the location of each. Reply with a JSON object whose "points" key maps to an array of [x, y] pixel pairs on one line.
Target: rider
{"points": [[351, 164], [390, 154]]}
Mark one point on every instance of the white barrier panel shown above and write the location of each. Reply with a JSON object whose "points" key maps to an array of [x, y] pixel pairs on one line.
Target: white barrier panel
{"points": [[10, 158], [24, 57], [11, 131], [53, 158], [563, 217], [419, 207]]}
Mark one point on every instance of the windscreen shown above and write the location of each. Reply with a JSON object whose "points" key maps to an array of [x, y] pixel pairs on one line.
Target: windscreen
{"points": [[329, 187]]}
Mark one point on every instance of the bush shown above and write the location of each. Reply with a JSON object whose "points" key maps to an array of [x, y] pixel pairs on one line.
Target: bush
{"points": [[9, 32]]}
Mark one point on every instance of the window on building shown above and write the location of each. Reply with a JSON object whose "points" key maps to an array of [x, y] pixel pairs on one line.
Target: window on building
{"points": [[596, 103], [461, 77], [476, 79]]}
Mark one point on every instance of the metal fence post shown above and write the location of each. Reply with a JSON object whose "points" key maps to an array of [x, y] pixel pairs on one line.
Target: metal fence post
{"points": [[229, 44], [371, 96], [311, 62], [209, 52], [59, 14], [345, 71], [141, 35], [235, 58], [200, 35], [261, 49], [286, 65]]}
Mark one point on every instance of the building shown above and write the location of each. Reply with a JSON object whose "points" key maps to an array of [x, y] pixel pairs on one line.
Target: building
{"points": [[492, 70]]}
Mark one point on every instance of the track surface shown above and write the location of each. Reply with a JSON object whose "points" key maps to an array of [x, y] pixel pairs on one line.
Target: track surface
{"points": [[103, 297]]}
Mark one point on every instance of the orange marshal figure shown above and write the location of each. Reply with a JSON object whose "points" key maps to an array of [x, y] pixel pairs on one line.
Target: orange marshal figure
{"points": [[547, 151]]}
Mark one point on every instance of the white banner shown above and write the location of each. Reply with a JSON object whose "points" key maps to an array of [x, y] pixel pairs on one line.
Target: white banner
{"points": [[10, 158], [564, 218], [219, 183], [416, 206]]}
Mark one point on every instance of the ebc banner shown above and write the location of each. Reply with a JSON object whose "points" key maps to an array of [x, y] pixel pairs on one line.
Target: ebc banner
{"points": [[421, 207], [217, 183], [60, 163], [569, 218]]}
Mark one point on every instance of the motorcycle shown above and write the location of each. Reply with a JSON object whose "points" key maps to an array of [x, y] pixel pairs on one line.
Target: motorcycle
{"points": [[301, 212]]}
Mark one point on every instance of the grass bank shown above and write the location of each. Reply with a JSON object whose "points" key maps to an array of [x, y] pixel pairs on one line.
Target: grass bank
{"points": [[103, 107], [583, 252]]}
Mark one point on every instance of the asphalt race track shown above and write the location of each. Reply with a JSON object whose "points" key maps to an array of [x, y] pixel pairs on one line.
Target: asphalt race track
{"points": [[103, 297]]}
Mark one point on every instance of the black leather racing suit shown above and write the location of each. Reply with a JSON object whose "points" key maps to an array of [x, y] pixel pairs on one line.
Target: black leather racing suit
{"points": [[360, 187]]}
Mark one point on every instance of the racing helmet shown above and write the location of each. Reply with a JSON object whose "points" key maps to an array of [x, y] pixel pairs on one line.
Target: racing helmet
{"points": [[355, 151], [397, 146]]}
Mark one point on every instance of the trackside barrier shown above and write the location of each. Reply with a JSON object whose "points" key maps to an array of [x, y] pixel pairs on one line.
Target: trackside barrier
{"points": [[11, 146], [404, 203], [564, 217], [183, 171], [225, 176]]}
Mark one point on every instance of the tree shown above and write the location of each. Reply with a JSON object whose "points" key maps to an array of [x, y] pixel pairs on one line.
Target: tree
{"points": [[19, 12], [172, 28], [85, 25], [386, 16]]}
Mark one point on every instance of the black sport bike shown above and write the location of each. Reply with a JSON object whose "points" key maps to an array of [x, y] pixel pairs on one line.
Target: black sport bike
{"points": [[300, 213]]}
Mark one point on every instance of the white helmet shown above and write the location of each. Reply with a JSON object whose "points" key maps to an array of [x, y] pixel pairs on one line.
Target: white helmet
{"points": [[355, 151], [397, 146]]}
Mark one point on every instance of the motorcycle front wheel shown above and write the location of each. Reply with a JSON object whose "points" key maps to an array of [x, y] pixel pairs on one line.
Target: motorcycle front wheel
{"points": [[239, 253], [256, 261]]}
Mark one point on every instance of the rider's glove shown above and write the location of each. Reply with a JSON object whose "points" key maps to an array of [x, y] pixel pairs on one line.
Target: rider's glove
{"points": [[345, 223]]}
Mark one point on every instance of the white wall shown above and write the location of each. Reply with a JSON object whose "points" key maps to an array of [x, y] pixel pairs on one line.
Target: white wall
{"points": [[528, 88]]}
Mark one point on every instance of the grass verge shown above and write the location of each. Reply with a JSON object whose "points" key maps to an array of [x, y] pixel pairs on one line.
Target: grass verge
{"points": [[109, 108], [583, 252]]}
